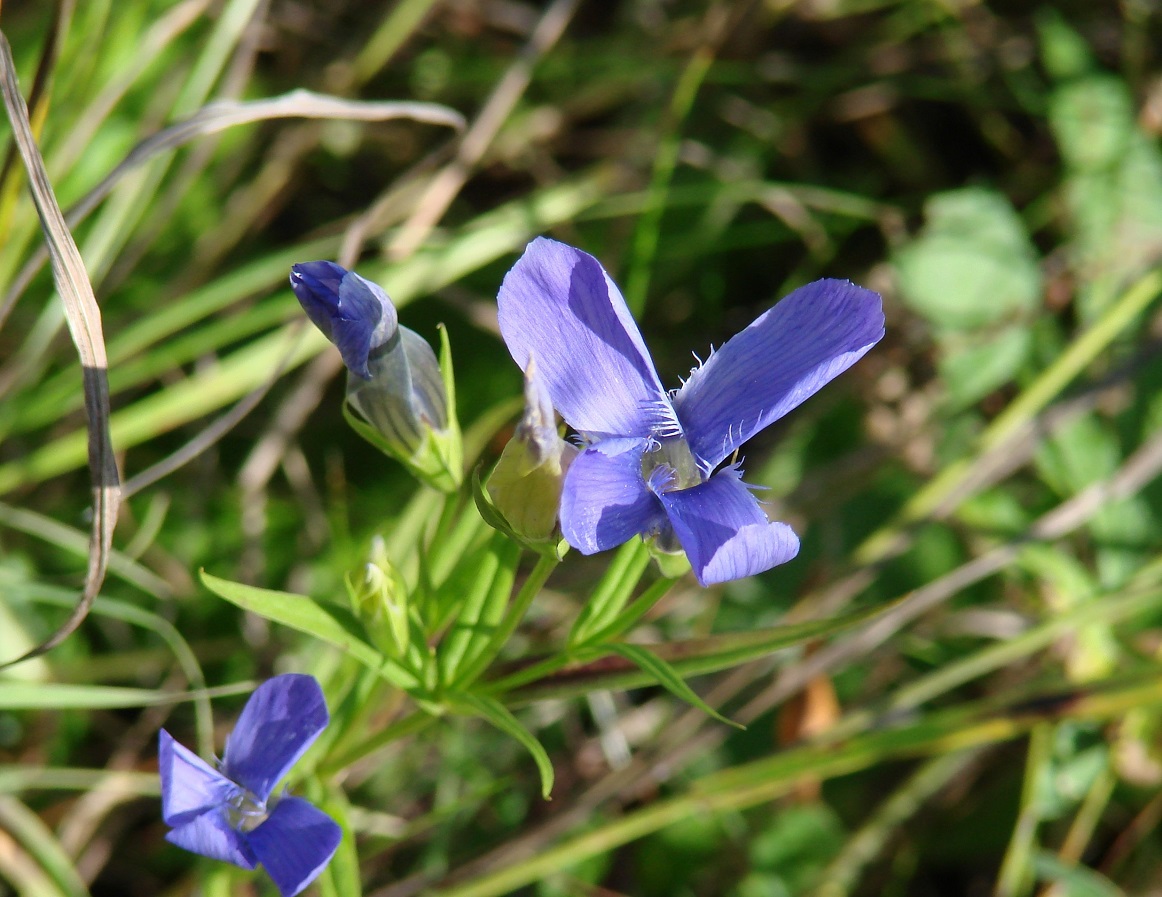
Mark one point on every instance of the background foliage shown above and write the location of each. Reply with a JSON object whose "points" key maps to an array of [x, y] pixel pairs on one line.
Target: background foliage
{"points": [[972, 703]]}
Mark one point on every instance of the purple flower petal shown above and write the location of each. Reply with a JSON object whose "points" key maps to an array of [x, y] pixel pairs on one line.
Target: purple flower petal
{"points": [[783, 358], [210, 835], [295, 843], [559, 306], [724, 531], [189, 785], [279, 722], [353, 313], [604, 501]]}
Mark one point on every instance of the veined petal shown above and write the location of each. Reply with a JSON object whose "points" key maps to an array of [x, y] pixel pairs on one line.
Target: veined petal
{"points": [[724, 531], [604, 501], [210, 835], [189, 785], [558, 304], [351, 311], [295, 843], [281, 719], [783, 358]]}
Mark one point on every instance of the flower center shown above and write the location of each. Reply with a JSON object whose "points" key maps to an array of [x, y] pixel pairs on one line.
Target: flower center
{"points": [[670, 466], [245, 812]]}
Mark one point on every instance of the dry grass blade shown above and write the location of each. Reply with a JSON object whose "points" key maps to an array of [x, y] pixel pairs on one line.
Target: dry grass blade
{"points": [[448, 182], [84, 320], [219, 116]]}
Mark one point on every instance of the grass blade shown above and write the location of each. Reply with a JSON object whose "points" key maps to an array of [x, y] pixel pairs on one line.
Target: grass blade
{"points": [[84, 320]]}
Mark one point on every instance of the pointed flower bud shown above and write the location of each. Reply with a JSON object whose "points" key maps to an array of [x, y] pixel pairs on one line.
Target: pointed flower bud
{"points": [[399, 397], [379, 597], [525, 485]]}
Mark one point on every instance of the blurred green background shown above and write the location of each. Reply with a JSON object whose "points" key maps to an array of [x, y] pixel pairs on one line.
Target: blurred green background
{"points": [[993, 169]]}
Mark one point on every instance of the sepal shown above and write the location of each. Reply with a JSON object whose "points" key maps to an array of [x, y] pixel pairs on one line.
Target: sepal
{"points": [[407, 411], [524, 487]]}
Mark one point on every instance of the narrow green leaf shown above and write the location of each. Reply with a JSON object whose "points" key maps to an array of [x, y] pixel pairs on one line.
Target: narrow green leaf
{"points": [[498, 715], [666, 676], [538, 681], [302, 614], [632, 614], [43, 853], [58, 696], [512, 617]]}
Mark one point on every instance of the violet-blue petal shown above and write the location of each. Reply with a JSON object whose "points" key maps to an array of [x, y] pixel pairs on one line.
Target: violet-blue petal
{"points": [[352, 312], [604, 500], [558, 305], [724, 531], [279, 722], [189, 785], [210, 835], [295, 843], [783, 358]]}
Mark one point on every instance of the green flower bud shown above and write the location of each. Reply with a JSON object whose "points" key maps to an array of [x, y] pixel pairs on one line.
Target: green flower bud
{"points": [[525, 486], [379, 597]]}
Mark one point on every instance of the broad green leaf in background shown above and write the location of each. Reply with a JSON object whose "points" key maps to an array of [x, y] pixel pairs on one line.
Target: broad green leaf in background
{"points": [[972, 273], [972, 266], [973, 365]]}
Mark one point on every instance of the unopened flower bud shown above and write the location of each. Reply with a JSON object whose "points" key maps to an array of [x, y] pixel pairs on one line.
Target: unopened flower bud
{"points": [[379, 597], [525, 485], [399, 397]]}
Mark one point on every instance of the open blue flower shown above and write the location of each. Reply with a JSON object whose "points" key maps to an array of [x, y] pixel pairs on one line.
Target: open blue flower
{"points": [[653, 461], [230, 814]]}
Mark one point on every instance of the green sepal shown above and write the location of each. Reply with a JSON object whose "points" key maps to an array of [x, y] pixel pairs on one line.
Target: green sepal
{"points": [[553, 547], [671, 564], [438, 461]]}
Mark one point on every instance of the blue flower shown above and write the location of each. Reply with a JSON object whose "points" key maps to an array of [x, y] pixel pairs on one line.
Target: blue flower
{"points": [[653, 461], [231, 815]]}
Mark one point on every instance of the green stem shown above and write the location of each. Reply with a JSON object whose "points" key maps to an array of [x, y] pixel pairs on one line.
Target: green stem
{"points": [[512, 618], [1016, 875], [638, 609]]}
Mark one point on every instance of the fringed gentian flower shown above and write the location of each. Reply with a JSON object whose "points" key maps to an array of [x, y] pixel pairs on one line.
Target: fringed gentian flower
{"points": [[231, 814], [653, 462], [402, 400]]}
